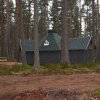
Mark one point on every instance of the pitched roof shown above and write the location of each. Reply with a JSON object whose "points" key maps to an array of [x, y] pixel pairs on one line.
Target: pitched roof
{"points": [[80, 43], [52, 42]]}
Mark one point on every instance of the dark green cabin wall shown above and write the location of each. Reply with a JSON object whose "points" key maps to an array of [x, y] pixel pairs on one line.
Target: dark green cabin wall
{"points": [[76, 56], [80, 56], [45, 57]]}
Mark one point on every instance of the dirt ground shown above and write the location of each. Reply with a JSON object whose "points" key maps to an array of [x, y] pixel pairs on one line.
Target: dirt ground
{"points": [[9, 64], [15, 87]]}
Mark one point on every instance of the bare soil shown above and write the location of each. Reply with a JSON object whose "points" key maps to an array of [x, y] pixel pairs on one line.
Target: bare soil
{"points": [[9, 64], [49, 87]]}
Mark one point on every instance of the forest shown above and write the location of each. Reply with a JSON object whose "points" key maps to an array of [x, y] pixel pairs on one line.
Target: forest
{"points": [[49, 49], [31, 20]]}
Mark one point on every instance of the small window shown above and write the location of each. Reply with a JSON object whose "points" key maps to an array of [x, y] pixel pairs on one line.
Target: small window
{"points": [[46, 43]]}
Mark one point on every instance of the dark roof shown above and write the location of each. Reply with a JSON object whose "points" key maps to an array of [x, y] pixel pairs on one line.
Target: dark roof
{"points": [[80, 43], [52, 42]]}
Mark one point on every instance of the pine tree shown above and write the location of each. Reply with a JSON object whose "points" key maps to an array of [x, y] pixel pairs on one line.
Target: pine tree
{"points": [[98, 35], [64, 38], [20, 31], [2, 29], [36, 37], [8, 41], [43, 17]]}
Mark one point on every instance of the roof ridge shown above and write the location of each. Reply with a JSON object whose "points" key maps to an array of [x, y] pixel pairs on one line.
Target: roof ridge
{"points": [[79, 37]]}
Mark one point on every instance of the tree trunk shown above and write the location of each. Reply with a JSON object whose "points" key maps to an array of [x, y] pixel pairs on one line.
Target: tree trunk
{"points": [[64, 39], [8, 40], [3, 35], [98, 35], [29, 23], [20, 33], [93, 30], [36, 37], [46, 17], [80, 20]]}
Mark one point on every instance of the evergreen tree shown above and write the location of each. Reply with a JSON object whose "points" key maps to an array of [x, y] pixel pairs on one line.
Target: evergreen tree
{"points": [[64, 38], [3, 45], [55, 14], [21, 35], [43, 17], [36, 37]]}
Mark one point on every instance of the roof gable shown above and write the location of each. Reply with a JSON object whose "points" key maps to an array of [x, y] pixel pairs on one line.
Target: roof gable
{"points": [[53, 42]]}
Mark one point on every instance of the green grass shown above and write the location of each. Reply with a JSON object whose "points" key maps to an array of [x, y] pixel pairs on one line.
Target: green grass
{"points": [[53, 68], [97, 91], [15, 69], [69, 69]]}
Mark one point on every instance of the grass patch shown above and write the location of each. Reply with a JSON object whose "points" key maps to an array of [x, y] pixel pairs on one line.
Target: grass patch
{"points": [[15, 69], [69, 69], [54, 68], [97, 91]]}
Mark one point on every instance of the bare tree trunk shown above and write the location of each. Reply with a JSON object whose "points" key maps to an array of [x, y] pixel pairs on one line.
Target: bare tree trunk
{"points": [[0, 41], [64, 39], [3, 49], [93, 30], [80, 20], [8, 40], [3, 35], [20, 29], [98, 35], [29, 23], [36, 37], [17, 53]]}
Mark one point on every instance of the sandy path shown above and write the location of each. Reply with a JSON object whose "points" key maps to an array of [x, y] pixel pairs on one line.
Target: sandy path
{"points": [[16, 84]]}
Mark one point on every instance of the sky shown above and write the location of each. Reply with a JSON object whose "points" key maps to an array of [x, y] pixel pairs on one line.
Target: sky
{"points": [[14, 2]]}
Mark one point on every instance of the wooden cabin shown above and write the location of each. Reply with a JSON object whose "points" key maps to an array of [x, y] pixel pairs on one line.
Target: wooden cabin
{"points": [[50, 49]]}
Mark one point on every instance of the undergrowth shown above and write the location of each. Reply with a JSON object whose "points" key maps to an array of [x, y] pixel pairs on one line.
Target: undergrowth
{"points": [[72, 68], [53, 68]]}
